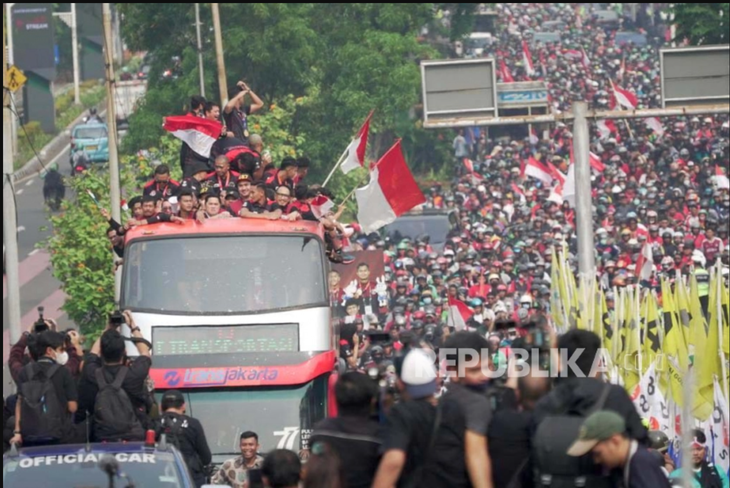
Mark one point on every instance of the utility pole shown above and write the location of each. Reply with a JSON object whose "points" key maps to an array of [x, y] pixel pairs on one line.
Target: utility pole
{"points": [[111, 115], [219, 54], [11, 60], [10, 223], [115, 191], [75, 52], [201, 73], [69, 18], [583, 204]]}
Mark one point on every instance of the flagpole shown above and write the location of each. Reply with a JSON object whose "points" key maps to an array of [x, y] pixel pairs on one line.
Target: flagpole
{"points": [[720, 315], [339, 162]]}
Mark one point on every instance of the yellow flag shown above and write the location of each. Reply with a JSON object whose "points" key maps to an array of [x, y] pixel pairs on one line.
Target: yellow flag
{"points": [[651, 341], [681, 296], [556, 293], [725, 306], [631, 350], [676, 354], [705, 349]]}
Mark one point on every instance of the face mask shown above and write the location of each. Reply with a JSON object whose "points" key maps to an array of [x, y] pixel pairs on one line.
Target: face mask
{"points": [[62, 358], [427, 301]]}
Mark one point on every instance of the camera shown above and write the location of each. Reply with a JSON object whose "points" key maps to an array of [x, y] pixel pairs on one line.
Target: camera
{"points": [[116, 319], [40, 324]]}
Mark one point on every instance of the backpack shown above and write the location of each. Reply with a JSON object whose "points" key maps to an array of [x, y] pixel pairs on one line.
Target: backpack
{"points": [[41, 413], [114, 416], [554, 436], [172, 427]]}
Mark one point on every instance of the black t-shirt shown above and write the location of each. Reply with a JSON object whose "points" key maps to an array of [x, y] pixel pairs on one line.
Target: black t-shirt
{"points": [[510, 445], [133, 385], [259, 209], [62, 380], [193, 185], [227, 184], [237, 122], [409, 427], [192, 441], [357, 442]]}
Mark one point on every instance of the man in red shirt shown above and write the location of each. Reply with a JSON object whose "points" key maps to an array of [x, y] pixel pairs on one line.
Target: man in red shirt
{"points": [[244, 193], [711, 246]]}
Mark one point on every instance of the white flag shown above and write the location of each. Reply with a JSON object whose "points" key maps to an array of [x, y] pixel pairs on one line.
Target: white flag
{"points": [[650, 402]]}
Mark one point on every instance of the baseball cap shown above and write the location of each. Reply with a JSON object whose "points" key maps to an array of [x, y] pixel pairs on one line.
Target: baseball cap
{"points": [[244, 177], [598, 427], [172, 397], [200, 167], [418, 373]]}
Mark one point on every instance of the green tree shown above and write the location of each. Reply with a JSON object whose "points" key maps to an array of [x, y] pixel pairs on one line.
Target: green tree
{"points": [[702, 23]]}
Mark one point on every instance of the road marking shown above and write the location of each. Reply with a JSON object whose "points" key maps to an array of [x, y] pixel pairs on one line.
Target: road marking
{"points": [[34, 252], [21, 228], [37, 262], [30, 183], [19, 192]]}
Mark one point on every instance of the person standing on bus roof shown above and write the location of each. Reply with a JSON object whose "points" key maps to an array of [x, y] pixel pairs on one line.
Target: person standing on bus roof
{"points": [[234, 472], [236, 112]]}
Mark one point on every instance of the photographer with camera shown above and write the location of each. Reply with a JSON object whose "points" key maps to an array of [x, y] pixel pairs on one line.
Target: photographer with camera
{"points": [[18, 358], [113, 387], [47, 397]]}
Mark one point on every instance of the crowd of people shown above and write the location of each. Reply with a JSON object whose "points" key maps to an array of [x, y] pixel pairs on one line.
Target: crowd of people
{"points": [[433, 427]]}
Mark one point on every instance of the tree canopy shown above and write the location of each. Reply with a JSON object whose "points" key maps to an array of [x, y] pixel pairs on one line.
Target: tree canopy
{"points": [[702, 23], [343, 60]]}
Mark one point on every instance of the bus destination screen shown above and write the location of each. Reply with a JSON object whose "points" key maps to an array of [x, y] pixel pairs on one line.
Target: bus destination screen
{"points": [[225, 339]]}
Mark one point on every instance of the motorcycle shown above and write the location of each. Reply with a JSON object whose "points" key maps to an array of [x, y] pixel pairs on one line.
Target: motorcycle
{"points": [[54, 190], [80, 162]]}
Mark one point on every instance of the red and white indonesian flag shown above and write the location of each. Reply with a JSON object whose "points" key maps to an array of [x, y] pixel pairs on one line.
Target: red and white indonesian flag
{"points": [[459, 313], [527, 59], [506, 74], [356, 150], [392, 191], [573, 54], [198, 133], [586, 62], [556, 174], [596, 162], [645, 263], [569, 192], [606, 128], [556, 194], [538, 171], [655, 125], [721, 180], [321, 206], [625, 98]]}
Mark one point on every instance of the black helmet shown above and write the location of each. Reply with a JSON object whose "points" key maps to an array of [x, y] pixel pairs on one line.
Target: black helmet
{"points": [[659, 440]]}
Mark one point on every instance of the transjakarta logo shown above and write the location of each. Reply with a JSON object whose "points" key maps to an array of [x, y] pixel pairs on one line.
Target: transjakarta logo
{"points": [[85, 458], [218, 376]]}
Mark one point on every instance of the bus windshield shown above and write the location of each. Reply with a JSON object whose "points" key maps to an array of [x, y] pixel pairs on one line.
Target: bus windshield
{"points": [[276, 415], [224, 274]]}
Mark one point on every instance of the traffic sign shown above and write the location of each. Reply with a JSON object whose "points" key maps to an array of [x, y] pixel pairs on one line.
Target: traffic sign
{"points": [[16, 79]]}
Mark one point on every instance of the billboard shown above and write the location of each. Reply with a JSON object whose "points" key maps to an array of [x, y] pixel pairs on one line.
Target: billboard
{"points": [[91, 39], [522, 94], [695, 76], [458, 90], [33, 39]]}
